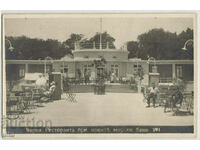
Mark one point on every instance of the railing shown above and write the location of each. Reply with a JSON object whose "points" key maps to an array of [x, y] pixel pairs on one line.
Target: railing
{"points": [[91, 45], [165, 80]]}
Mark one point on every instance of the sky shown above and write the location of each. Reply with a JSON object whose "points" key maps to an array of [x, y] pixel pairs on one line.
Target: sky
{"points": [[123, 29]]}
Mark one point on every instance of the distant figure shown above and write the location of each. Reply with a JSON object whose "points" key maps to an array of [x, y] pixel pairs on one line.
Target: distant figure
{"points": [[180, 84], [152, 94], [92, 76], [86, 76], [65, 84], [112, 77], [41, 82]]}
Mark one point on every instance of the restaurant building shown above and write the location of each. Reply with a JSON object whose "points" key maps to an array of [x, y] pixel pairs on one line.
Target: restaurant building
{"points": [[117, 62]]}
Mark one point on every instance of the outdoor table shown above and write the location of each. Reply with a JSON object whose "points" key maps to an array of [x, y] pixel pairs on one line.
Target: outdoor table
{"points": [[13, 103], [36, 93]]}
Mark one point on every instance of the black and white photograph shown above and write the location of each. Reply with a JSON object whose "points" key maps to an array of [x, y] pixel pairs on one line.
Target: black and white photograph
{"points": [[99, 75]]}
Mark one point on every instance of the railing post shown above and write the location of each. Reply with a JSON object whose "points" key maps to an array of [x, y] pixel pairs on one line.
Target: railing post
{"points": [[107, 45], [75, 45], [173, 71], [94, 45]]}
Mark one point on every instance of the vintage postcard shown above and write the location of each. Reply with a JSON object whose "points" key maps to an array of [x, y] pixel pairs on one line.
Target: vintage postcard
{"points": [[99, 75]]}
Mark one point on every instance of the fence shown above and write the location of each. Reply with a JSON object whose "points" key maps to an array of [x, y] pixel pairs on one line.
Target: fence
{"points": [[165, 80]]}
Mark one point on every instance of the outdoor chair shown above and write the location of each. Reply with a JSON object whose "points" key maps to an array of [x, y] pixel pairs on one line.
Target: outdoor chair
{"points": [[15, 104], [28, 100], [39, 97], [133, 86], [181, 105], [163, 95], [70, 96], [36, 94], [166, 97], [188, 102]]}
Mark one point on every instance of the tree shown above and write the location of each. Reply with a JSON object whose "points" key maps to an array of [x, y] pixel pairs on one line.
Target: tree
{"points": [[88, 43], [105, 37], [158, 44], [133, 48], [28, 48], [182, 38], [69, 43], [161, 44]]}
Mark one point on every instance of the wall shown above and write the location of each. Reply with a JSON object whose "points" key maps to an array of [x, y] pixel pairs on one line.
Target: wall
{"points": [[107, 54], [13, 71], [145, 67], [165, 70], [32, 68], [58, 66]]}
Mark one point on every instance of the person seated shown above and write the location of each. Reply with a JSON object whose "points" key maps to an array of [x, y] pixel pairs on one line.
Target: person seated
{"points": [[48, 94], [176, 98], [152, 94]]}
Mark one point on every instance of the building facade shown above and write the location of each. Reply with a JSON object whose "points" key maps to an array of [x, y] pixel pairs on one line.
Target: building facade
{"points": [[117, 62]]}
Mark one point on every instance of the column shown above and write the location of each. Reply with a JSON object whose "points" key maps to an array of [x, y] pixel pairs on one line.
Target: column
{"points": [[26, 68], [107, 45], [94, 45], [173, 70]]}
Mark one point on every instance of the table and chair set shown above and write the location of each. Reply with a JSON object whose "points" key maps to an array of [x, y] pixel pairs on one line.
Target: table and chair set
{"points": [[173, 101], [23, 101]]}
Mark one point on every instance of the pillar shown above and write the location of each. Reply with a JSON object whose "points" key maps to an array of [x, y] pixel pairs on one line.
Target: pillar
{"points": [[26, 68], [173, 71], [107, 45], [94, 45]]}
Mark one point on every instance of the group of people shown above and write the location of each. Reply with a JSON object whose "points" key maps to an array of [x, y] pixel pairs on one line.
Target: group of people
{"points": [[90, 76], [175, 96]]}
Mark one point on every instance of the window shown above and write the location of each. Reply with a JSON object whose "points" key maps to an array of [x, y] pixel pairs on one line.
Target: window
{"points": [[185, 72], [87, 69], [165, 72], [100, 56], [64, 69], [48, 69], [115, 69], [136, 68]]}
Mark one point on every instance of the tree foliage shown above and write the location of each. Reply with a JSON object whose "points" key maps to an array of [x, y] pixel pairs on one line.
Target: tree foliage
{"points": [[105, 38], [27, 48], [133, 48], [156, 43], [70, 43], [161, 44]]}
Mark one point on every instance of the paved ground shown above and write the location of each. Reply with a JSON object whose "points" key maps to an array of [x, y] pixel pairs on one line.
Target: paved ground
{"points": [[109, 109]]}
